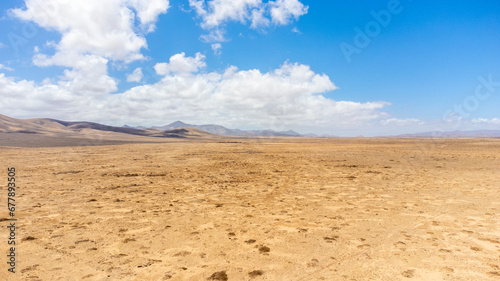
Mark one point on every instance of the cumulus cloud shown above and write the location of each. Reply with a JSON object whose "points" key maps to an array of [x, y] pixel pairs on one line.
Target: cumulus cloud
{"points": [[89, 77], [290, 96], [65, 100], [259, 18], [215, 13], [180, 64], [135, 76], [284, 11], [235, 97], [100, 28], [93, 32], [148, 11]]}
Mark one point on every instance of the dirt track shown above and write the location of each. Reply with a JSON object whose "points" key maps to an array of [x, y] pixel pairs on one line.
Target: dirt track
{"points": [[298, 209]]}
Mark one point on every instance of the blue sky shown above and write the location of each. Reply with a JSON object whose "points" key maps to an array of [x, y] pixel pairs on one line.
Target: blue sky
{"points": [[344, 68]]}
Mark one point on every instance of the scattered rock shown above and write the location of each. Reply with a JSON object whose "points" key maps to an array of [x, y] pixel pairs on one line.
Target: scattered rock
{"points": [[29, 268], [313, 263], [408, 273], [448, 269], [28, 238], [264, 249], [255, 273], [219, 276], [182, 254], [331, 239]]}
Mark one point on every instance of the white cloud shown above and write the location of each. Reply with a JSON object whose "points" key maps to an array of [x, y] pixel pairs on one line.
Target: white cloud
{"points": [[135, 76], [100, 28], [296, 30], [93, 32], [290, 94], [149, 10], [492, 121], [216, 48], [89, 77], [180, 64], [259, 19], [283, 11], [215, 13], [198, 6], [2, 45], [5, 67], [402, 122], [65, 100], [216, 35], [287, 97]]}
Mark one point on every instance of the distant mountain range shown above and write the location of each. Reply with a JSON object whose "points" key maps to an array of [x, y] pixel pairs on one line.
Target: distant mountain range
{"points": [[223, 131], [454, 134], [178, 129]]}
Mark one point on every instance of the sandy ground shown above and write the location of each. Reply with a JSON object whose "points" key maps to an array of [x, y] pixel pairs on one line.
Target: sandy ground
{"points": [[296, 209]]}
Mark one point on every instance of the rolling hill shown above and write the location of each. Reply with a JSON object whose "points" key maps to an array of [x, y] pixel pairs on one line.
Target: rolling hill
{"points": [[51, 132]]}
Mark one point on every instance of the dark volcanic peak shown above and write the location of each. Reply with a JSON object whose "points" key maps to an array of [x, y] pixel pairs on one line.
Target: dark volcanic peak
{"points": [[178, 124]]}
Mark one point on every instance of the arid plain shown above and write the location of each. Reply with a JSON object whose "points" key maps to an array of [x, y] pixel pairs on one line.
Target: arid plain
{"points": [[257, 209]]}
